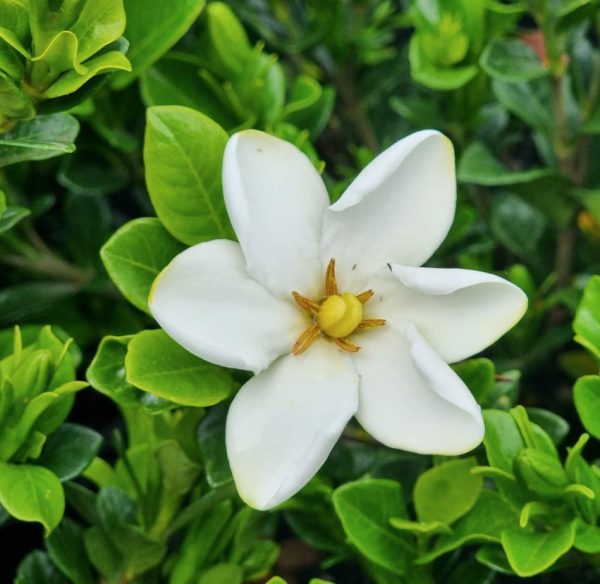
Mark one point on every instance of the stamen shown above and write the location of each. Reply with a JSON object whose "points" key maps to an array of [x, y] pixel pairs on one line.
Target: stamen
{"points": [[346, 345], [370, 323], [306, 304], [306, 339], [366, 296], [330, 283]]}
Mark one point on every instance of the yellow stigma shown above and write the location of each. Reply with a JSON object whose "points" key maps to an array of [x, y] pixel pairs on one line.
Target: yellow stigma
{"points": [[339, 315]]}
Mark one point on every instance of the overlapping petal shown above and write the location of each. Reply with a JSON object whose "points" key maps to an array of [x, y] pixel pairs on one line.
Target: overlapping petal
{"points": [[275, 199], [459, 312], [410, 399], [207, 302], [284, 422], [398, 209]]}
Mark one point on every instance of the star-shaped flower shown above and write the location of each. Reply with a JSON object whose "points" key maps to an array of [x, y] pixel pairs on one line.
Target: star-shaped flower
{"points": [[326, 305]]}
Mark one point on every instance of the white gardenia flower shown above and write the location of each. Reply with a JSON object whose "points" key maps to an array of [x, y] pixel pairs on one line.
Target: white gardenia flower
{"points": [[367, 335]]}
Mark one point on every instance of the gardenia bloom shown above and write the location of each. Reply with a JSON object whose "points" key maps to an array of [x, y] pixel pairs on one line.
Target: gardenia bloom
{"points": [[329, 309]]}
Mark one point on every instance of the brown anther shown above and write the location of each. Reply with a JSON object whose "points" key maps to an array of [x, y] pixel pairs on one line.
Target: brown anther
{"points": [[306, 339], [346, 345], [370, 323], [365, 296], [310, 306], [330, 283]]}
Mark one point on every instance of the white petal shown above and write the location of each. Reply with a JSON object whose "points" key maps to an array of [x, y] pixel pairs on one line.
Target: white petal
{"points": [[284, 422], [275, 199], [207, 302], [398, 209], [459, 312], [410, 399]]}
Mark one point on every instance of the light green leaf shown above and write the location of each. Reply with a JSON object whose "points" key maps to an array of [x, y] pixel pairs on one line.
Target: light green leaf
{"points": [[183, 155], [38, 139], [157, 364], [447, 491], [14, 104], [70, 82], [587, 537], [587, 320], [479, 375], [32, 493], [365, 509], [222, 574], [530, 553], [152, 29], [135, 255], [491, 515], [586, 395], [510, 59]]}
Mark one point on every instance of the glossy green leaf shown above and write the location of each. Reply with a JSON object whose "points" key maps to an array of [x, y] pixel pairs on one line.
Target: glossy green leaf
{"points": [[157, 364], [447, 491], [211, 439], [365, 509], [152, 29], [32, 493], [69, 450], [135, 255], [530, 553], [183, 153], [38, 139], [509, 59]]}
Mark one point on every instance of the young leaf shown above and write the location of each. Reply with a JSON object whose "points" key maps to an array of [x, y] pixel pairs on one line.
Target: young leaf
{"points": [[157, 364], [448, 491], [32, 493], [530, 552], [586, 394], [365, 509], [135, 255], [183, 154], [587, 320]]}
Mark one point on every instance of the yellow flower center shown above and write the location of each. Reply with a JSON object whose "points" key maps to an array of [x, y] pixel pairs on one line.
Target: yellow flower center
{"points": [[335, 316], [340, 315]]}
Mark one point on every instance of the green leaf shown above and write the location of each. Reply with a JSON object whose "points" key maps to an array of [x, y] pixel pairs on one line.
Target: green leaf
{"points": [[2, 203], [211, 438], [72, 81], [67, 550], [530, 553], [37, 568], [175, 81], [103, 554], [157, 364], [152, 29], [32, 493], [14, 104], [479, 166], [183, 155], [135, 255], [41, 138], [509, 59], [70, 450], [95, 24], [447, 491], [365, 509], [556, 427], [222, 574], [587, 537], [541, 472], [518, 225], [586, 395], [528, 101], [587, 320], [12, 216], [479, 375], [491, 515]]}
